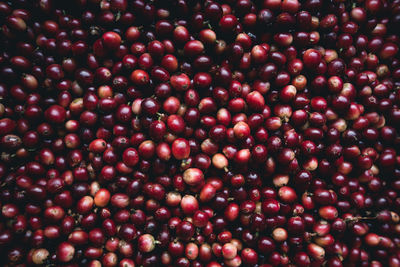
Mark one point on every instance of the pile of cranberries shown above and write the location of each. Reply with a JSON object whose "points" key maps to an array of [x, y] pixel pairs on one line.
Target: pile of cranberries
{"points": [[192, 133]]}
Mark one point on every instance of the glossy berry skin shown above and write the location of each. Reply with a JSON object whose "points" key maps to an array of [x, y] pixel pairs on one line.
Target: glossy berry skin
{"points": [[130, 157], [146, 243], [311, 58], [180, 82], [180, 149], [111, 40], [55, 114]]}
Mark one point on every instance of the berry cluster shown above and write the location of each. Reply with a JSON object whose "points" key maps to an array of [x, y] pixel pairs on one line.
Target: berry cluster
{"points": [[192, 133]]}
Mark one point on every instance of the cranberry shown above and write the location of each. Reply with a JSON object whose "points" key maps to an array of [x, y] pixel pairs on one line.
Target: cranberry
{"points": [[146, 243], [65, 252], [111, 40], [55, 114]]}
